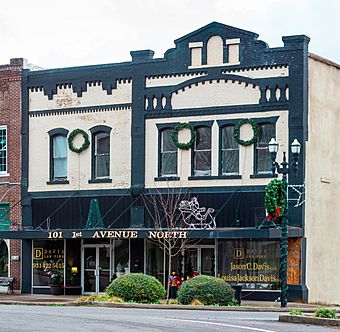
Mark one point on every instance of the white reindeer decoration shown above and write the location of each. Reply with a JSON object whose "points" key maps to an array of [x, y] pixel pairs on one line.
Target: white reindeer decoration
{"points": [[195, 216]]}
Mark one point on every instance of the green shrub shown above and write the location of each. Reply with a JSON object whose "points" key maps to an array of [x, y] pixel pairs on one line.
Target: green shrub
{"points": [[173, 301], [137, 287], [325, 313], [295, 313], [207, 290]]}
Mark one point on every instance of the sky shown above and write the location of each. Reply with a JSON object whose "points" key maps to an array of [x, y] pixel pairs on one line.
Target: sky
{"points": [[64, 33]]}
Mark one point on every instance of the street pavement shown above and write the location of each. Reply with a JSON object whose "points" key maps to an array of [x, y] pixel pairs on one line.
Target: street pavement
{"points": [[70, 318]]}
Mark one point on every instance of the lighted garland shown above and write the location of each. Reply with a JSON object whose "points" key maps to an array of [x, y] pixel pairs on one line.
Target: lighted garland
{"points": [[85, 144], [254, 126], [184, 146], [275, 199]]}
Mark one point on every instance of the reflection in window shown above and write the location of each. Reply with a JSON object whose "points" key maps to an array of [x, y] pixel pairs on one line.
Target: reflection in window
{"points": [[154, 261], [102, 155], [202, 152], [229, 152], [48, 259], [59, 157], [263, 160], [121, 257], [168, 154]]}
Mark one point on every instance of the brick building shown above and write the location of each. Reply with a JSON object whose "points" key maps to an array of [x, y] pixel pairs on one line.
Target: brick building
{"points": [[10, 167]]}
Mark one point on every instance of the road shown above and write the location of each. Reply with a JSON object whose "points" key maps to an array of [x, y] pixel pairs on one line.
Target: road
{"points": [[59, 318]]}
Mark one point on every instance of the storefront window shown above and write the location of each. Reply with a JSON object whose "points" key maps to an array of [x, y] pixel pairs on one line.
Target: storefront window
{"points": [[154, 261], [253, 263], [48, 259], [121, 257]]}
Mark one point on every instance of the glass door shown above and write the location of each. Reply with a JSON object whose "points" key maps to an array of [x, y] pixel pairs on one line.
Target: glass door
{"points": [[199, 260], [96, 262]]}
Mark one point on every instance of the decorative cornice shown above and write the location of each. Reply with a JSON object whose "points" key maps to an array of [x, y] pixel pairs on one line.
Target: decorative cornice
{"points": [[76, 110]]}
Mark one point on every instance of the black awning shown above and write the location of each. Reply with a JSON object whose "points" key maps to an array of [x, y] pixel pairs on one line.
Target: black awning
{"points": [[218, 233]]}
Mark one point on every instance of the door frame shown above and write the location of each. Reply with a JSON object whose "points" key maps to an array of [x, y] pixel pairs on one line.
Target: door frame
{"points": [[199, 247], [97, 273]]}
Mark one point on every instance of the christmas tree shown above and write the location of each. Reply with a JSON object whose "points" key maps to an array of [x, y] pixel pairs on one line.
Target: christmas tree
{"points": [[94, 219]]}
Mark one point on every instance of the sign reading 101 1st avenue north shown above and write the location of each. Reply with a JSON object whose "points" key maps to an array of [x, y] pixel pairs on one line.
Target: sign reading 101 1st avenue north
{"points": [[250, 262]]}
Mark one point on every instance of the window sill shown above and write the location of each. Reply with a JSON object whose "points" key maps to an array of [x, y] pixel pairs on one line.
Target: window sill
{"points": [[4, 174], [167, 178], [58, 182], [215, 177], [263, 176], [100, 181]]}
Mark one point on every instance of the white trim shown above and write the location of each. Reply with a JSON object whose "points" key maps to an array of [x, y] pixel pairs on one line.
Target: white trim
{"points": [[219, 65], [196, 45], [232, 41]]}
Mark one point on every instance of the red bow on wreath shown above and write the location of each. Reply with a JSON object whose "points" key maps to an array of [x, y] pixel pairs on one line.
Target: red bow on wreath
{"points": [[277, 213]]}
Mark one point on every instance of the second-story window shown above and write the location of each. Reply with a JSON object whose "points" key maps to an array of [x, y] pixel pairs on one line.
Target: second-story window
{"points": [[229, 152], [101, 155], [59, 158], [168, 154], [202, 152], [262, 158], [3, 149]]}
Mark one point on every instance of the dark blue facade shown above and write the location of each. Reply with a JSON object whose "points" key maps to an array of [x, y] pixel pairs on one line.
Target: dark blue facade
{"points": [[244, 209]]}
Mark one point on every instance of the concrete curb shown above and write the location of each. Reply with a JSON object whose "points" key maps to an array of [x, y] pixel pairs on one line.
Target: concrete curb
{"points": [[309, 320], [191, 307]]}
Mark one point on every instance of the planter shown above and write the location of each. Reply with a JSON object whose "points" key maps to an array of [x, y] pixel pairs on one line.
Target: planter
{"points": [[56, 289]]}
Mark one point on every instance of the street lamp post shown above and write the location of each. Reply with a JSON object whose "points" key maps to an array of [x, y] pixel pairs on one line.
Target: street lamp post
{"points": [[284, 169]]}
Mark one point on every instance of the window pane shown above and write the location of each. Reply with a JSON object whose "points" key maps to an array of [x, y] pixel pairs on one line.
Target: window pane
{"points": [[167, 142], [228, 141], [59, 157], [230, 162], [59, 146], [102, 166], [203, 138], [169, 163], [264, 162], [60, 168], [202, 163], [103, 143], [267, 131]]}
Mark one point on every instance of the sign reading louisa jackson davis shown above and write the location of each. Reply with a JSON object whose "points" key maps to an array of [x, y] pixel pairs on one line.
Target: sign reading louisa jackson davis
{"points": [[254, 263]]}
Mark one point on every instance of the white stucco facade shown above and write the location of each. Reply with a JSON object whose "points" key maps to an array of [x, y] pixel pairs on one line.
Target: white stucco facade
{"points": [[322, 220]]}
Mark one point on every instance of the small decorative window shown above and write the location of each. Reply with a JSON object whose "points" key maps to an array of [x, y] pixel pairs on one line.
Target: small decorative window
{"points": [[168, 154], [202, 152], [101, 157], [262, 156], [229, 156], [3, 150]]}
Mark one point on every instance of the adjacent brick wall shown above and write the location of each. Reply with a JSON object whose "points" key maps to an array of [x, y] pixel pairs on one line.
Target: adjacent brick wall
{"points": [[10, 190]]}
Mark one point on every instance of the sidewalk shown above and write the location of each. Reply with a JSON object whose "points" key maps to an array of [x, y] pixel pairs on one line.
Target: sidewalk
{"points": [[30, 299]]}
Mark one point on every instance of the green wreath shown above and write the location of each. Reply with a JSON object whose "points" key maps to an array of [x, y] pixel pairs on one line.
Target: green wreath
{"points": [[275, 199], [188, 145], [71, 137], [255, 128]]}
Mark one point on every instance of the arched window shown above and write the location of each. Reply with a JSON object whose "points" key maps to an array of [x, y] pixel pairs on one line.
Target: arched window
{"points": [[168, 153], [215, 51], [263, 161], [58, 154], [229, 156], [202, 152], [100, 152]]}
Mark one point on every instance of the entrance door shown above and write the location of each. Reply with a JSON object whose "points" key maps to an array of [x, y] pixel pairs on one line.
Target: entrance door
{"points": [[96, 262], [199, 260]]}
